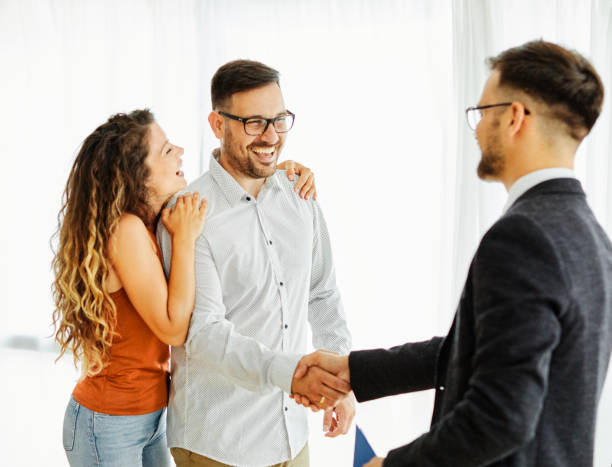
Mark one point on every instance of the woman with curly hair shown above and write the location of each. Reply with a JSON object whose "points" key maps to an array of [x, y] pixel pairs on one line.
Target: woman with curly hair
{"points": [[114, 309]]}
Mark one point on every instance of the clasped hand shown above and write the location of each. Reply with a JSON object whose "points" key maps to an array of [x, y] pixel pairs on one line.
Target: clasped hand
{"points": [[322, 381]]}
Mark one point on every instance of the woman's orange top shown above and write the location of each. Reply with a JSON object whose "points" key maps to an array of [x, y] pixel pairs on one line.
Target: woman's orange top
{"points": [[136, 380]]}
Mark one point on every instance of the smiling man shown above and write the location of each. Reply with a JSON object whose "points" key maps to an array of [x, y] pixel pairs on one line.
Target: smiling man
{"points": [[264, 271]]}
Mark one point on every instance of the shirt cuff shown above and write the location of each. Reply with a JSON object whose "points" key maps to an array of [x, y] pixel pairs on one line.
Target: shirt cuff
{"points": [[282, 369]]}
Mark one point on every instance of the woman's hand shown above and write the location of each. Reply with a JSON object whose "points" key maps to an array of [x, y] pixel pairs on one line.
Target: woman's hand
{"points": [[305, 185], [185, 220]]}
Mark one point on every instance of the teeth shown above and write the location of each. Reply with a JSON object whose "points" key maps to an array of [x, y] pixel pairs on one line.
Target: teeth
{"points": [[264, 150]]}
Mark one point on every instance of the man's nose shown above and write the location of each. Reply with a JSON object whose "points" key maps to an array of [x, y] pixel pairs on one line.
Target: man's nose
{"points": [[270, 136]]}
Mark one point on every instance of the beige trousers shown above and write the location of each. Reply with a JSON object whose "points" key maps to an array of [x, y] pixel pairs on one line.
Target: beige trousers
{"points": [[185, 458]]}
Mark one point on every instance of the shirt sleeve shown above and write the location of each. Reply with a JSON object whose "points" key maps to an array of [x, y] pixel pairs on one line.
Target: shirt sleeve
{"points": [[325, 311], [212, 340]]}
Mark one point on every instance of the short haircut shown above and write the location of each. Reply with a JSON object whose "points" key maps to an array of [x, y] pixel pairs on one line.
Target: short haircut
{"points": [[238, 76], [560, 78]]}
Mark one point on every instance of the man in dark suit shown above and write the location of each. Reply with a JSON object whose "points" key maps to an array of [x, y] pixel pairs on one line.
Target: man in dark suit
{"points": [[520, 373]]}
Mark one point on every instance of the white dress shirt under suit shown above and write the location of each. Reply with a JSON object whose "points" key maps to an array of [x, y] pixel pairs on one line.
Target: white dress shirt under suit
{"points": [[526, 182], [264, 270]]}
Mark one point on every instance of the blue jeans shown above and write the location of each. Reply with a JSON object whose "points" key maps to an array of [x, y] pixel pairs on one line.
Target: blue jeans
{"points": [[98, 439]]}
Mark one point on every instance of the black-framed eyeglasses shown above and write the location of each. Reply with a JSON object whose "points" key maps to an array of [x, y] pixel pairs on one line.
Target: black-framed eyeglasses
{"points": [[257, 126], [474, 114]]}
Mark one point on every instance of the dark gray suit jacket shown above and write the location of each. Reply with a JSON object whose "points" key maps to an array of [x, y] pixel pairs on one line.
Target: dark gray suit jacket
{"points": [[519, 376]]}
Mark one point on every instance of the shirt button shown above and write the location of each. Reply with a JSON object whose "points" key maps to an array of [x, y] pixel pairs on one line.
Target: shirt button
{"points": [[286, 408], [248, 198], [441, 388], [282, 283], [286, 326], [270, 242]]}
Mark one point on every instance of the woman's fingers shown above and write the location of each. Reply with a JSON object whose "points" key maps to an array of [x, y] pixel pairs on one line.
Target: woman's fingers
{"points": [[304, 183], [312, 192], [203, 207], [309, 187], [305, 186], [164, 215], [195, 201], [291, 173]]}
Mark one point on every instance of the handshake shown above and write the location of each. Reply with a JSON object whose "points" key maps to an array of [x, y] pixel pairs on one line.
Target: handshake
{"points": [[322, 381]]}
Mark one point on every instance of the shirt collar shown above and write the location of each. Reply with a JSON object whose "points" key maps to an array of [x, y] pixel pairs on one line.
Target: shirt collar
{"points": [[230, 188], [535, 178]]}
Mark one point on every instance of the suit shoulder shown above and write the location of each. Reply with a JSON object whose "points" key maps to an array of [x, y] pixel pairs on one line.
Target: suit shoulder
{"points": [[518, 240], [514, 237], [517, 226]]}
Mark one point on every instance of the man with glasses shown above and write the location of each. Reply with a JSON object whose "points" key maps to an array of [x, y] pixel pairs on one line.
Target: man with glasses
{"points": [[518, 377], [264, 271]]}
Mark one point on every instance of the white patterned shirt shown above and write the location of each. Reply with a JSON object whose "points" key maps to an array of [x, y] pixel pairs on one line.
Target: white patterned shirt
{"points": [[264, 270]]}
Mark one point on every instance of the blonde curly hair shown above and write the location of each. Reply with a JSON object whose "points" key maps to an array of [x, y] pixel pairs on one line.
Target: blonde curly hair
{"points": [[108, 178]]}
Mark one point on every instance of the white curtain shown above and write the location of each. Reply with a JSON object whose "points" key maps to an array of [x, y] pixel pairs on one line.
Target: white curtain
{"points": [[379, 89], [67, 66]]}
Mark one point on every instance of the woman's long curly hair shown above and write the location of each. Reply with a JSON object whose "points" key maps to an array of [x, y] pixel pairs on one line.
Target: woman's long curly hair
{"points": [[108, 178]]}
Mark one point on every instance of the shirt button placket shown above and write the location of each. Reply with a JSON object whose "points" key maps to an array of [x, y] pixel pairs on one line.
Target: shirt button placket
{"points": [[276, 269]]}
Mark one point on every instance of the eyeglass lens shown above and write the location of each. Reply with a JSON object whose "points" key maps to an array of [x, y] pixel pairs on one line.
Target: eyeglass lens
{"points": [[474, 116], [256, 126]]}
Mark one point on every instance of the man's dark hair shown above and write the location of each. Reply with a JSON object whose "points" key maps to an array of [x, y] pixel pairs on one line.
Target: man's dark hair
{"points": [[562, 79], [237, 76]]}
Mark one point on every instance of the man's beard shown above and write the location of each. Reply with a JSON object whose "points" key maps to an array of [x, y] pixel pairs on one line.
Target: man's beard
{"points": [[245, 164], [492, 162]]}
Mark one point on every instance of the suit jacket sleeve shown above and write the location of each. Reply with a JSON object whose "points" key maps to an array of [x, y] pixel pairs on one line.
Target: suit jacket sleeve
{"points": [[519, 296], [405, 368]]}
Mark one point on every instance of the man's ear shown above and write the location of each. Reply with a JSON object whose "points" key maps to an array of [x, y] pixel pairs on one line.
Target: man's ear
{"points": [[217, 123], [517, 120]]}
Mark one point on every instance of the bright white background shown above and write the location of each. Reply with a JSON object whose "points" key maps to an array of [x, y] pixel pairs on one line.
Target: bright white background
{"points": [[379, 89]]}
